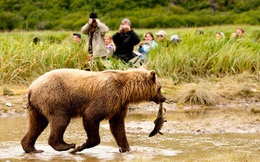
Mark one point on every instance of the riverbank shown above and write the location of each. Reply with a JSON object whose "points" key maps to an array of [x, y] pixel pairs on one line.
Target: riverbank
{"points": [[236, 116], [227, 105], [220, 128]]}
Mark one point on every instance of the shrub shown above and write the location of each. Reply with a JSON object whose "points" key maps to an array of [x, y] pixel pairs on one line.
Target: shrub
{"points": [[9, 20]]}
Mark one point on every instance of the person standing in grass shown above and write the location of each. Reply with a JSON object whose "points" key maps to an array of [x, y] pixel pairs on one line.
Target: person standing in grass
{"points": [[96, 31], [37, 41], [109, 44], [77, 38], [125, 39], [238, 34], [220, 35], [145, 46], [161, 38], [175, 39]]}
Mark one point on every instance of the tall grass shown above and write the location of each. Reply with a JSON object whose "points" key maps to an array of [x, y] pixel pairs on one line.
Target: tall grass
{"points": [[204, 56], [196, 56], [21, 60]]}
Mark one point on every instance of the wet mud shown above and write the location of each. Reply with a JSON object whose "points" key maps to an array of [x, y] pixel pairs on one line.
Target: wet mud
{"points": [[191, 132]]}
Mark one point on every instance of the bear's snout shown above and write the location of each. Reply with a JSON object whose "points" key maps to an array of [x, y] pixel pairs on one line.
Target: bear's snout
{"points": [[159, 98], [163, 99]]}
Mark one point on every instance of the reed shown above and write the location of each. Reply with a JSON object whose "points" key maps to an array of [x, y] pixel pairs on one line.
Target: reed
{"points": [[204, 56], [197, 56]]}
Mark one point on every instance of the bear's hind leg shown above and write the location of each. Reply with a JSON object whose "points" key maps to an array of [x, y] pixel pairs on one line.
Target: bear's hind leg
{"points": [[92, 129], [117, 127], [59, 124], [37, 123]]}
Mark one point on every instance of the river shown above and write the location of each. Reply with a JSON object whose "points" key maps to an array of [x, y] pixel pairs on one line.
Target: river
{"points": [[168, 147]]}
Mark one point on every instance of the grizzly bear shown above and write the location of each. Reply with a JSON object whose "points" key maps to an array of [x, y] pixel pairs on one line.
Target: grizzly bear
{"points": [[62, 94]]}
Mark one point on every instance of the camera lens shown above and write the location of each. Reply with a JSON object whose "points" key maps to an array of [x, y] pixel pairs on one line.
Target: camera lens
{"points": [[94, 20]]}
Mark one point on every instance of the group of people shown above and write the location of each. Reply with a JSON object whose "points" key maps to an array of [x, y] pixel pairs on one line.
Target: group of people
{"points": [[121, 44], [102, 45], [237, 34]]}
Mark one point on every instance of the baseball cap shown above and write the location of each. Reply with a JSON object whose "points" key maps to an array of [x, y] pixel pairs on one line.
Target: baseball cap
{"points": [[77, 34], [161, 32]]}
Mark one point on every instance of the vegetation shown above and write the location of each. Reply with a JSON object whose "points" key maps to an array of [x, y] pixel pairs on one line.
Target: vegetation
{"points": [[197, 56], [73, 14], [204, 56]]}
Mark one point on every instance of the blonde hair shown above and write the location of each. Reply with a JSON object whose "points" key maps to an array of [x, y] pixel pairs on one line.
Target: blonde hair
{"points": [[109, 36]]}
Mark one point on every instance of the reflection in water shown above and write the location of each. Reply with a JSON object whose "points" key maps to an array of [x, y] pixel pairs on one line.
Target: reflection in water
{"points": [[168, 146]]}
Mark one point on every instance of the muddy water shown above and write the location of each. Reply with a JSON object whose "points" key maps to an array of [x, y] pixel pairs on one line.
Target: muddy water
{"points": [[167, 147]]}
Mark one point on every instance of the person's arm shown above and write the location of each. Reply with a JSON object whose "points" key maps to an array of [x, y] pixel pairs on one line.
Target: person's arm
{"points": [[140, 49], [103, 28], [135, 38], [146, 48], [153, 44], [85, 29], [116, 38]]}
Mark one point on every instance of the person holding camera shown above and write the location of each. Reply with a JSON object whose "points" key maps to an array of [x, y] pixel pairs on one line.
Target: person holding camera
{"points": [[96, 31], [238, 34], [148, 43], [125, 40]]}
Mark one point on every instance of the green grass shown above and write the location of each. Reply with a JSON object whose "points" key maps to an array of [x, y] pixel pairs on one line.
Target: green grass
{"points": [[204, 56], [197, 56]]}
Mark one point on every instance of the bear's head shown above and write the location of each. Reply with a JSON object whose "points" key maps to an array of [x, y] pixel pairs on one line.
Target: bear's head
{"points": [[137, 85], [157, 96]]}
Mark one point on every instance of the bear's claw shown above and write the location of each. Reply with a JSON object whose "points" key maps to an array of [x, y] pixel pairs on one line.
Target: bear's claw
{"points": [[79, 148], [35, 151]]}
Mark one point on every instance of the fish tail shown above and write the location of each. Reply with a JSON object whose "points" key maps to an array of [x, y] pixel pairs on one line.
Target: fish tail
{"points": [[152, 133]]}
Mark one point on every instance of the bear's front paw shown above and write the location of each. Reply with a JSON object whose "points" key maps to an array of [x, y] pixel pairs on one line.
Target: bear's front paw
{"points": [[78, 149], [74, 151], [38, 151], [122, 150]]}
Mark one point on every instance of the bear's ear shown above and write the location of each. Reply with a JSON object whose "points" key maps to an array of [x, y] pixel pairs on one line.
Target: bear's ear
{"points": [[153, 75]]}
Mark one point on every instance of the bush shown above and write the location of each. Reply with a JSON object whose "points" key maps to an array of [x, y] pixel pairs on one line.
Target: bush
{"points": [[246, 18], [9, 20]]}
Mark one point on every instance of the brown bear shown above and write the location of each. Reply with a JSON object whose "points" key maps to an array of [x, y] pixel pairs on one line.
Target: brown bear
{"points": [[62, 94]]}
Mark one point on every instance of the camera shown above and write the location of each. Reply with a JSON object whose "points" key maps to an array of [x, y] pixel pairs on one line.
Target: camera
{"points": [[123, 26], [93, 20]]}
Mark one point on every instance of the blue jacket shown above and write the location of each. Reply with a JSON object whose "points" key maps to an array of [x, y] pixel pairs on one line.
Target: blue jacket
{"points": [[145, 48]]}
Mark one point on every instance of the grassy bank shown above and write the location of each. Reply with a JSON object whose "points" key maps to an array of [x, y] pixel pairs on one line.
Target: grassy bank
{"points": [[197, 56], [220, 71]]}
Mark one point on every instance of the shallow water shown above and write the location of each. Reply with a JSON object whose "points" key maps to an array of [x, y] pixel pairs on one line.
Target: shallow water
{"points": [[167, 147]]}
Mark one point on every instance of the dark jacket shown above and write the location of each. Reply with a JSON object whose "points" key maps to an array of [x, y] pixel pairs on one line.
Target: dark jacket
{"points": [[125, 43]]}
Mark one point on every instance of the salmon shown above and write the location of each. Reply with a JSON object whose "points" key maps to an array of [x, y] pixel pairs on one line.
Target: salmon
{"points": [[159, 121]]}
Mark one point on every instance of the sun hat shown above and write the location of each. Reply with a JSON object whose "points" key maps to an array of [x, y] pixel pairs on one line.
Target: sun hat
{"points": [[174, 38], [161, 32], [93, 15]]}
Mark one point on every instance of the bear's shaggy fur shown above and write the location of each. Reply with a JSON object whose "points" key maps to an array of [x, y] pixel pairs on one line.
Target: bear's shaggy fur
{"points": [[62, 94]]}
